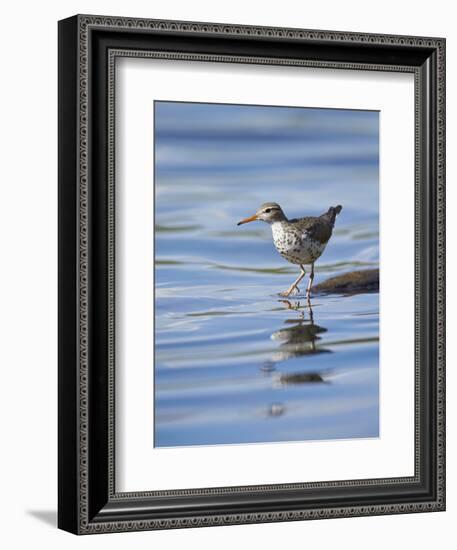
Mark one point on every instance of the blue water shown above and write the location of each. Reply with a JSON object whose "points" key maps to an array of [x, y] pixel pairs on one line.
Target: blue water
{"points": [[234, 362]]}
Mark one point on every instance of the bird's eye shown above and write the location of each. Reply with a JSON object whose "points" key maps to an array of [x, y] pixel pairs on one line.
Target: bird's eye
{"points": [[268, 210]]}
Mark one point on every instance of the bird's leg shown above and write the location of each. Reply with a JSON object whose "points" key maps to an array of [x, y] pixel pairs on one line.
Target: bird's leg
{"points": [[295, 283], [310, 283]]}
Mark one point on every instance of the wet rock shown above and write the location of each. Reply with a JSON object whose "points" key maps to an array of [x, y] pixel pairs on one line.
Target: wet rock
{"points": [[353, 282], [300, 378]]}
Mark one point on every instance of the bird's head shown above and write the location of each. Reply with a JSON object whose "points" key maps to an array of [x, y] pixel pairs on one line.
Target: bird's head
{"points": [[269, 212]]}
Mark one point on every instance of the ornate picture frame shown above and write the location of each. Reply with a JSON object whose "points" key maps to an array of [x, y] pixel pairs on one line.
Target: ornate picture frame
{"points": [[88, 49]]}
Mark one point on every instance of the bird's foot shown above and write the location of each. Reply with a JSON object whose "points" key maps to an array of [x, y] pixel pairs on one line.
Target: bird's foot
{"points": [[289, 291]]}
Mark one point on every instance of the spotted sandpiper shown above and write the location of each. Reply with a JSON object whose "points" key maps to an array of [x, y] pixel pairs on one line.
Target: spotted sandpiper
{"points": [[300, 241]]}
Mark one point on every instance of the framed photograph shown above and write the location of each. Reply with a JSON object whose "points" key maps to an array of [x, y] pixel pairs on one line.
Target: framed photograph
{"points": [[251, 274]]}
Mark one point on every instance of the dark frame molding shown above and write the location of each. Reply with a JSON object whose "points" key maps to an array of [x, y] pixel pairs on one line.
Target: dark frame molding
{"points": [[88, 48]]}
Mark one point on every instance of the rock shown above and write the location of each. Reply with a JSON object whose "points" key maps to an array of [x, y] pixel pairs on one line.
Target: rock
{"points": [[300, 378], [353, 282]]}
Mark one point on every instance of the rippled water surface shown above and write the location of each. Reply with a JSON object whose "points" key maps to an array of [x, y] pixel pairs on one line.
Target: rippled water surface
{"points": [[234, 362]]}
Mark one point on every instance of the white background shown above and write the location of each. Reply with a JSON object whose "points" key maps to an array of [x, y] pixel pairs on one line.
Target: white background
{"points": [[28, 302], [141, 467]]}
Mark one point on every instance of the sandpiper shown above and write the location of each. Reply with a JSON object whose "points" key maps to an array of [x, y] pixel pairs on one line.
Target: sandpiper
{"points": [[300, 241]]}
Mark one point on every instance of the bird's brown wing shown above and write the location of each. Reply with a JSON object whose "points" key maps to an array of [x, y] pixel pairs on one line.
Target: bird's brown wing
{"points": [[316, 228]]}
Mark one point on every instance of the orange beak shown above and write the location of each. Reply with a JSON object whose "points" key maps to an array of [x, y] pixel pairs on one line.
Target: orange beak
{"points": [[247, 220]]}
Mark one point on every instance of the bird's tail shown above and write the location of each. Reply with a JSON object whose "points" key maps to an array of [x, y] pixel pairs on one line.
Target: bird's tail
{"points": [[332, 213]]}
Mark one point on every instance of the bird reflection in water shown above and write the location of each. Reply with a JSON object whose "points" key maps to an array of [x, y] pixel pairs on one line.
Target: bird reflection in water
{"points": [[298, 339]]}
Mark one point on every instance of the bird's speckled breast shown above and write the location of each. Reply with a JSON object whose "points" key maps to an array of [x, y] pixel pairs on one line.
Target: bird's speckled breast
{"points": [[295, 245]]}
